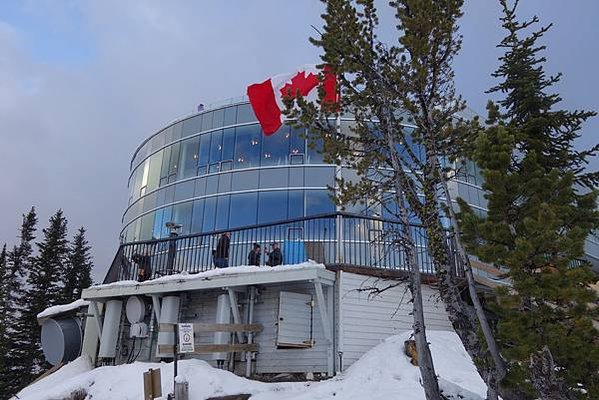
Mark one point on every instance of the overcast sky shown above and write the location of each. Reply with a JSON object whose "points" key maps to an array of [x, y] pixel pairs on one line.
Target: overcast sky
{"points": [[83, 83]]}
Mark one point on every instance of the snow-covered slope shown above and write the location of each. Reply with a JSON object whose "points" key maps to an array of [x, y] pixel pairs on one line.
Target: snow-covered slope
{"points": [[382, 373]]}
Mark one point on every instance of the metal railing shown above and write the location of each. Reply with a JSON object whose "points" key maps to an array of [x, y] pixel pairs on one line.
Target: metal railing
{"points": [[331, 239]]}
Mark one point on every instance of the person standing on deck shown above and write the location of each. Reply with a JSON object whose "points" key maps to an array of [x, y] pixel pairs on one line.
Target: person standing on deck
{"points": [[221, 254], [254, 256], [275, 257]]}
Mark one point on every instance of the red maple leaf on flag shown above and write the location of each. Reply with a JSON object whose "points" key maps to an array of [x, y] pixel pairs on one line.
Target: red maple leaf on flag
{"points": [[300, 84]]}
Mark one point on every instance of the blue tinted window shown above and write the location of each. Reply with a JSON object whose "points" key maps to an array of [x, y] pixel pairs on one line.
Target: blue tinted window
{"points": [[318, 202], [182, 215], [228, 144], [174, 162], [230, 115], [184, 190], [319, 176], [274, 178], [245, 180], [217, 118], [245, 114], [204, 154], [296, 203], [167, 216], [207, 121], [315, 150], [177, 130], [197, 216], [272, 206], [192, 125], [298, 141], [247, 146], [147, 224], [222, 212], [157, 231], [216, 146], [209, 214], [189, 157], [165, 163], [243, 210], [275, 148]]}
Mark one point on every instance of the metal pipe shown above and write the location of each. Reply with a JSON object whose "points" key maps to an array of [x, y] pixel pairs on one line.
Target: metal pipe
{"points": [[248, 355]]}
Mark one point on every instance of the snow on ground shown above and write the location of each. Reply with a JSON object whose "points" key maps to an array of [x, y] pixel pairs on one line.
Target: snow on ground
{"points": [[59, 309], [244, 269], [382, 373]]}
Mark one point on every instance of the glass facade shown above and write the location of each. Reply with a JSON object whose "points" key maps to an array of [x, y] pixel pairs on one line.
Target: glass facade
{"points": [[216, 170]]}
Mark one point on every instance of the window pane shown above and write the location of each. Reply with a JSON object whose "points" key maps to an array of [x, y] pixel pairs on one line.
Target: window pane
{"points": [[177, 130], [184, 190], [247, 146], [224, 183], [200, 187], [166, 217], [316, 177], [209, 215], [222, 212], [189, 157], [298, 142], [230, 115], [274, 178], [272, 206], [147, 223], [165, 162], [212, 184], [204, 154], [174, 161], [217, 118], [243, 210], [228, 144], [275, 148], [296, 203], [318, 202], [207, 121], [216, 146], [296, 177], [198, 216], [157, 230], [192, 125], [182, 215], [245, 114], [155, 167], [245, 180], [314, 150]]}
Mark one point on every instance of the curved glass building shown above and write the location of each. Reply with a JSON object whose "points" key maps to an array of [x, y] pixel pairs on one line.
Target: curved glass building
{"points": [[215, 171]]}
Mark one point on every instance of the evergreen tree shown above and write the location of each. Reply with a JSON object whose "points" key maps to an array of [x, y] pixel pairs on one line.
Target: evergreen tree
{"points": [[44, 283], [78, 272], [4, 343], [18, 332], [537, 221], [406, 82]]}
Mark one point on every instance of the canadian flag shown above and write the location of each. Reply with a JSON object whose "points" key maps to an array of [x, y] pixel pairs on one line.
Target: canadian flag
{"points": [[267, 97]]}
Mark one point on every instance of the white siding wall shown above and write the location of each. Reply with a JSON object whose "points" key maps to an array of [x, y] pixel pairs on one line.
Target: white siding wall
{"points": [[201, 308], [363, 322], [272, 360]]}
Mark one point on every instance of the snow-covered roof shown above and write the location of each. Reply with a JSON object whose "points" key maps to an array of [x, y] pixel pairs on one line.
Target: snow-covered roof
{"points": [[62, 308], [215, 278]]}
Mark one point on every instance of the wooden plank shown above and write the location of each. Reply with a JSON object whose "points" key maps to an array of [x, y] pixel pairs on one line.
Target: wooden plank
{"points": [[214, 348], [216, 328]]}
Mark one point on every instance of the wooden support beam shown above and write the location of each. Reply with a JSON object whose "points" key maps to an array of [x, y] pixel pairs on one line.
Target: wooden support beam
{"points": [[198, 328], [235, 310], [214, 348]]}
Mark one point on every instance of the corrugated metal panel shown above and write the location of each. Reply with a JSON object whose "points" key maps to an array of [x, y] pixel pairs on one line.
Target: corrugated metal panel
{"points": [[365, 320], [295, 320]]}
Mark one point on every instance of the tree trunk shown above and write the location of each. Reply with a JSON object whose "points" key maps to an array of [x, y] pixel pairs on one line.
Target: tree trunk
{"points": [[425, 359], [547, 385]]}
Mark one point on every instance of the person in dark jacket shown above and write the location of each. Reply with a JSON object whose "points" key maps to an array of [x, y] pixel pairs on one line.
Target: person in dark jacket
{"points": [[221, 254], [254, 256], [275, 257], [144, 268]]}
